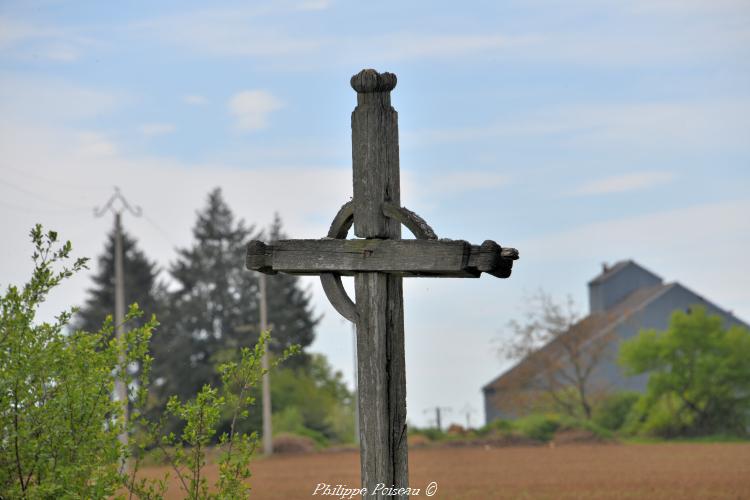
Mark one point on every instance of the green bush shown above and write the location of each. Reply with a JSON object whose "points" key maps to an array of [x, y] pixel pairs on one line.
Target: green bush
{"points": [[314, 398], [430, 433], [538, 427], [542, 427], [58, 422], [612, 412], [699, 376]]}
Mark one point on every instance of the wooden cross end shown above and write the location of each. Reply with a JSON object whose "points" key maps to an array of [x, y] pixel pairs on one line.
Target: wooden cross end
{"points": [[406, 258]]}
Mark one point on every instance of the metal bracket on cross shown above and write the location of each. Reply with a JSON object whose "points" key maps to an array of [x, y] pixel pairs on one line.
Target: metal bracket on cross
{"points": [[335, 256]]}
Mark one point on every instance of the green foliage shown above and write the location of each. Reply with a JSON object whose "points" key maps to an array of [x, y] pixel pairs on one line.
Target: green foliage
{"points": [[313, 401], [214, 309], [539, 427], [431, 433], [58, 421], [699, 377], [543, 426], [140, 280], [201, 417], [612, 411]]}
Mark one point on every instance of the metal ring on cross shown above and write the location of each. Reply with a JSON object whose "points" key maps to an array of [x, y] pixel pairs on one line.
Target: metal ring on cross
{"points": [[332, 285]]}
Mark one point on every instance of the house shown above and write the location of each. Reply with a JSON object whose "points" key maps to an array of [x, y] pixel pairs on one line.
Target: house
{"points": [[623, 299]]}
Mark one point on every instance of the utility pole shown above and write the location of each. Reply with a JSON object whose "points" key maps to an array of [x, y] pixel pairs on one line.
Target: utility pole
{"points": [[438, 410], [121, 389], [267, 428], [468, 410]]}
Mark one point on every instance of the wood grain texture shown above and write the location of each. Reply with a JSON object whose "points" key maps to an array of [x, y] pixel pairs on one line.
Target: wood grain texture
{"points": [[332, 285], [337, 296], [416, 224], [406, 258], [375, 159], [379, 297]]}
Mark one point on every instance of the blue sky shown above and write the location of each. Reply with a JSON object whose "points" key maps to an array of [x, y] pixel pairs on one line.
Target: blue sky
{"points": [[578, 131]]}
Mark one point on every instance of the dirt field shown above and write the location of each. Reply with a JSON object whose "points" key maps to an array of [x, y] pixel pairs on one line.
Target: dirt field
{"points": [[643, 471]]}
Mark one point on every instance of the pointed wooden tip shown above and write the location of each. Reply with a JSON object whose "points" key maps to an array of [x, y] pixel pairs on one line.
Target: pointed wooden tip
{"points": [[369, 81], [258, 257]]}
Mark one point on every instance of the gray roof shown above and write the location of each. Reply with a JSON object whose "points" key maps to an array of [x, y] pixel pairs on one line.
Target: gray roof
{"points": [[596, 324], [610, 271]]}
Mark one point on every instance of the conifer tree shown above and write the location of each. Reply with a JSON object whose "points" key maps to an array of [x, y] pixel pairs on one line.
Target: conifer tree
{"points": [[141, 285], [289, 309], [214, 308]]}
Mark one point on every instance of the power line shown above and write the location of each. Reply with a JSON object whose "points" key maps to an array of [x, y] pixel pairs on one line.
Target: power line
{"points": [[56, 183], [160, 230], [43, 198]]}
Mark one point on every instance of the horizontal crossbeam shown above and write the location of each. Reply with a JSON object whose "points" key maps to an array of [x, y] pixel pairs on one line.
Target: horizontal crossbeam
{"points": [[408, 258]]}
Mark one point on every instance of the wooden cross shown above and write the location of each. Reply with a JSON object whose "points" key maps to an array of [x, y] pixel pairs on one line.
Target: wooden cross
{"points": [[378, 261]]}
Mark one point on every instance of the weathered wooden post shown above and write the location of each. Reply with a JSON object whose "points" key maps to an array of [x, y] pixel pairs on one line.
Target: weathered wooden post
{"points": [[378, 261], [379, 296]]}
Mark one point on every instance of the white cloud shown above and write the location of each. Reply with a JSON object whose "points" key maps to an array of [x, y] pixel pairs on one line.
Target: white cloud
{"points": [[94, 145], [719, 123], [32, 41], [251, 108], [464, 181], [13, 32], [61, 53], [399, 46], [702, 246], [195, 99], [315, 5], [234, 32], [48, 100], [625, 182], [154, 129]]}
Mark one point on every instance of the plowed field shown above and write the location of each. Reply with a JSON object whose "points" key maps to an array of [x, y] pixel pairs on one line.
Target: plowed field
{"points": [[634, 471]]}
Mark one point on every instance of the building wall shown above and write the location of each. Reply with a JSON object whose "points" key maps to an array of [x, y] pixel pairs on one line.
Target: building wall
{"points": [[607, 293], [609, 376], [656, 315]]}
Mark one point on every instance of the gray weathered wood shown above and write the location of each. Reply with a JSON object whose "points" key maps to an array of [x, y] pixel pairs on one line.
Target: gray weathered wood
{"points": [[332, 285], [379, 296], [414, 222], [378, 262], [417, 258], [374, 154]]}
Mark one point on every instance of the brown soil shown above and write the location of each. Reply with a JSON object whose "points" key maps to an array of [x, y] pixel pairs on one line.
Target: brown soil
{"points": [[576, 471], [577, 436]]}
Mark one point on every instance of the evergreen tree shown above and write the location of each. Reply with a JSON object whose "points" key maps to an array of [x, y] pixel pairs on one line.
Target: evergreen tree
{"points": [[214, 308], [141, 285], [289, 310]]}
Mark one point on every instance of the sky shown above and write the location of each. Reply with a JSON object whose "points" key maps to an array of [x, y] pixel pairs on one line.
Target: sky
{"points": [[578, 131]]}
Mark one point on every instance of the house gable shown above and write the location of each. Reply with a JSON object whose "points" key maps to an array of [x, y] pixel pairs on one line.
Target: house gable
{"points": [[617, 282]]}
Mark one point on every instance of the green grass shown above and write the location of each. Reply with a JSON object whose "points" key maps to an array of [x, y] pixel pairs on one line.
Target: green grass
{"points": [[714, 438]]}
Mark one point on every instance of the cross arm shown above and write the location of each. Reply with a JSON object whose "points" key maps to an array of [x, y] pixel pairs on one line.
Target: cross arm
{"points": [[417, 258]]}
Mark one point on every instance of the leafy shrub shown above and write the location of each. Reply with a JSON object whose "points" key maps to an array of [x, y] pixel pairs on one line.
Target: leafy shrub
{"points": [[431, 433], [699, 376], [613, 410], [58, 422], [292, 443], [186, 452], [538, 427], [542, 427]]}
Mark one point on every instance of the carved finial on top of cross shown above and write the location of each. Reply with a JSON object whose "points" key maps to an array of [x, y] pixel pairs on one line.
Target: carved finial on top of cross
{"points": [[369, 81]]}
